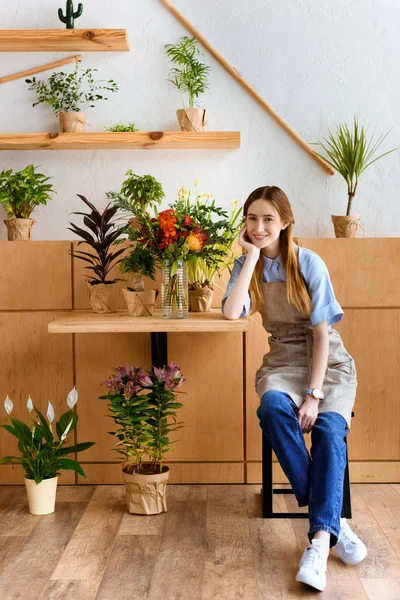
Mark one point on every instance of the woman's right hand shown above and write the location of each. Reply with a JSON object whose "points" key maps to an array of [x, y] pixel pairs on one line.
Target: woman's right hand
{"points": [[244, 242]]}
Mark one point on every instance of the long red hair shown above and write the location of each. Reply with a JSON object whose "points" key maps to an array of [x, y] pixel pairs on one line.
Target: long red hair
{"points": [[296, 290]]}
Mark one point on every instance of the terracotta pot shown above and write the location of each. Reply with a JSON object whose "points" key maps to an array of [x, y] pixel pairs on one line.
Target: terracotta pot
{"points": [[146, 494], [346, 226], [200, 299], [191, 119], [140, 304], [19, 229], [41, 497], [72, 121], [103, 297]]}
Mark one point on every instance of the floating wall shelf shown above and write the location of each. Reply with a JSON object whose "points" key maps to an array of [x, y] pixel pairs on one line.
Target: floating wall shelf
{"points": [[57, 40], [150, 140]]}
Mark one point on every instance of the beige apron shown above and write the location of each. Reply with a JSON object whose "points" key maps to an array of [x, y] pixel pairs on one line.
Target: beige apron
{"points": [[287, 366]]}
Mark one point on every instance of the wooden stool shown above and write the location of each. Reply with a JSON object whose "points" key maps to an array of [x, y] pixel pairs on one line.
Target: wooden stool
{"points": [[268, 491]]}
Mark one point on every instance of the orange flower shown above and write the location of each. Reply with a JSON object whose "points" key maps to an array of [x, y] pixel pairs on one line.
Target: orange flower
{"points": [[195, 241]]}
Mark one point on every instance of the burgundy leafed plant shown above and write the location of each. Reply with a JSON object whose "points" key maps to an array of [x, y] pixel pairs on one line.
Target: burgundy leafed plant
{"points": [[101, 233]]}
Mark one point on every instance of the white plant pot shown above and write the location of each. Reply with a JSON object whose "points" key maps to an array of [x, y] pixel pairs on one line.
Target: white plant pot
{"points": [[41, 497]]}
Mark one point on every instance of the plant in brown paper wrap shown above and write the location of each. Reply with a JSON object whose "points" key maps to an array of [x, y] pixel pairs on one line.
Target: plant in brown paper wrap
{"points": [[100, 234], [350, 152], [190, 77], [143, 405]]}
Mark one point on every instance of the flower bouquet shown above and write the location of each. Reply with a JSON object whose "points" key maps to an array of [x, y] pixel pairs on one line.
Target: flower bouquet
{"points": [[183, 233]]}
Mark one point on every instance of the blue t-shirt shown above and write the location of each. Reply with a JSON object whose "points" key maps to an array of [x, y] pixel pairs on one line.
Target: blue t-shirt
{"points": [[324, 306]]}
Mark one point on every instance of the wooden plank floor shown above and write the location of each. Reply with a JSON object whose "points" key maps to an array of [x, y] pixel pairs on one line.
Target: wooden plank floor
{"points": [[211, 545]]}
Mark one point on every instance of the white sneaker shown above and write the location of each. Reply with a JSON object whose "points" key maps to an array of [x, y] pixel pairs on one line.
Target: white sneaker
{"points": [[350, 548], [313, 566]]}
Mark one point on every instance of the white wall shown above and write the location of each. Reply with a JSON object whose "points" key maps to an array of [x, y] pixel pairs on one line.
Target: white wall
{"points": [[316, 63]]}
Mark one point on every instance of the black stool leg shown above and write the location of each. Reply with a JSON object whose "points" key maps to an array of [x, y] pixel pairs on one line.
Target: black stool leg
{"points": [[267, 493], [346, 507]]}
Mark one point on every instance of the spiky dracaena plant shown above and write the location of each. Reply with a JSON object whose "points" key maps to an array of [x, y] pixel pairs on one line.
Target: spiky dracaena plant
{"points": [[101, 234]]}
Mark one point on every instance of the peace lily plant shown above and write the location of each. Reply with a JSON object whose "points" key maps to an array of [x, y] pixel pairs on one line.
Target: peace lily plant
{"points": [[43, 453]]}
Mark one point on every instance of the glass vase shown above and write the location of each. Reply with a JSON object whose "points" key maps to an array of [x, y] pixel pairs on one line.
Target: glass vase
{"points": [[174, 291]]}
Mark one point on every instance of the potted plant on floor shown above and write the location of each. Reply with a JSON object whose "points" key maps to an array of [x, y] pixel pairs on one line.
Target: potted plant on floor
{"points": [[69, 94], [190, 77], [138, 264], [143, 406], [350, 152], [42, 455], [20, 193], [100, 234]]}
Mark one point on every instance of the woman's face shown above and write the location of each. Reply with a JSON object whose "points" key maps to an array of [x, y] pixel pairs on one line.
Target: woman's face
{"points": [[264, 226]]}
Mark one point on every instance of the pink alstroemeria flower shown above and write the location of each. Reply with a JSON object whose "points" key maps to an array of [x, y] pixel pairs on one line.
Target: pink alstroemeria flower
{"points": [[145, 381]]}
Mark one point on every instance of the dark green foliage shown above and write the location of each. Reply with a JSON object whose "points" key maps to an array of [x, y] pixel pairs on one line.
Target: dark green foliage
{"points": [[21, 192], [41, 455], [70, 15], [101, 232]]}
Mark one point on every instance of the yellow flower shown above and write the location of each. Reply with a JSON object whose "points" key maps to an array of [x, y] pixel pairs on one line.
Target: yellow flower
{"points": [[196, 182], [234, 204], [194, 241]]}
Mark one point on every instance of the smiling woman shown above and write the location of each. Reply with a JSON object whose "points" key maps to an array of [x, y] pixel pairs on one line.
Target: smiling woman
{"points": [[307, 381]]}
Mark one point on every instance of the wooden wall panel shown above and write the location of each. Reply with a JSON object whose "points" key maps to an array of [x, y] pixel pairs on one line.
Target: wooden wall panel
{"points": [[96, 355], [35, 276], [32, 362], [213, 402], [364, 272], [179, 473], [372, 338]]}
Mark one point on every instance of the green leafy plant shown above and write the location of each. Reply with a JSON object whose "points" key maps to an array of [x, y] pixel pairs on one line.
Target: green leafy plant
{"points": [[100, 235], [70, 15], [71, 92], [190, 76], [140, 261], [140, 191], [43, 455], [22, 191], [121, 127], [143, 405], [350, 152]]}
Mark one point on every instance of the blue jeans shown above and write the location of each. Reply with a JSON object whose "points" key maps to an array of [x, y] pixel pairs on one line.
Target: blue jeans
{"points": [[317, 481]]}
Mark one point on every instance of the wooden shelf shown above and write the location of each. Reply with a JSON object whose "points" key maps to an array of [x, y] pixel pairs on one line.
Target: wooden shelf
{"points": [[57, 40], [79, 321], [121, 141]]}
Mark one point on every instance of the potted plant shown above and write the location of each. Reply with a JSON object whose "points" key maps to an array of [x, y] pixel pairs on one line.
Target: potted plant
{"points": [[139, 191], [69, 94], [143, 406], [138, 264], [350, 152], [41, 454], [100, 234], [190, 76], [20, 193]]}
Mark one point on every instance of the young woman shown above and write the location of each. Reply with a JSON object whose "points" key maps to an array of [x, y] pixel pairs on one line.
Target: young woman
{"points": [[307, 382]]}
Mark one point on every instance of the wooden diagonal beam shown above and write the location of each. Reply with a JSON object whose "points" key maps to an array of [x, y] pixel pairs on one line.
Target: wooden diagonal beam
{"points": [[52, 65], [295, 136]]}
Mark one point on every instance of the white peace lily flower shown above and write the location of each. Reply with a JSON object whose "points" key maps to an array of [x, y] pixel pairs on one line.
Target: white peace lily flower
{"points": [[68, 427], [8, 405], [50, 413], [72, 397], [29, 404]]}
